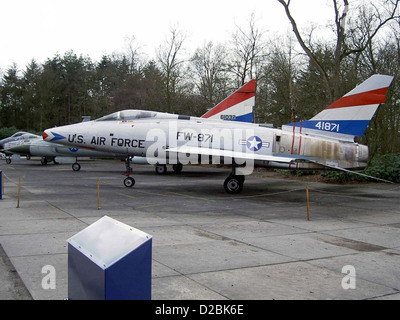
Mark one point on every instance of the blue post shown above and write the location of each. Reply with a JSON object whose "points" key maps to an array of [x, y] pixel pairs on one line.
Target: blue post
{"points": [[109, 260]]}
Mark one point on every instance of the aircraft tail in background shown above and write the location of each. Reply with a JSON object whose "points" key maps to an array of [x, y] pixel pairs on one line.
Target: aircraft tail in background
{"points": [[349, 116], [237, 107]]}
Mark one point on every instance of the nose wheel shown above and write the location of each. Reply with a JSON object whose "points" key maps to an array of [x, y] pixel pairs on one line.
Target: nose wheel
{"points": [[76, 166], [129, 182]]}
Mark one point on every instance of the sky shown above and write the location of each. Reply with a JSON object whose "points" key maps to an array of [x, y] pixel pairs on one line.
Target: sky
{"points": [[40, 29]]}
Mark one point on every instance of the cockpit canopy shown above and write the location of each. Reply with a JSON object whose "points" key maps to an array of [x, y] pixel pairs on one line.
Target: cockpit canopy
{"points": [[136, 114]]}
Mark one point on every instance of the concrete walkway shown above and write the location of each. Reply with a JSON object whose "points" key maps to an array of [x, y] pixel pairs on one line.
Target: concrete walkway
{"points": [[206, 244]]}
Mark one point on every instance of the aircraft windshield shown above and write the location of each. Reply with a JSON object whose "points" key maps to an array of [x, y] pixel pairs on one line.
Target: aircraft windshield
{"points": [[133, 115], [128, 115]]}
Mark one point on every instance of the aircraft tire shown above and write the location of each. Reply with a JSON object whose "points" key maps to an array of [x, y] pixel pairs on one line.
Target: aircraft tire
{"points": [[161, 169], [43, 161], [76, 166], [129, 182], [8, 160], [177, 167], [233, 184]]}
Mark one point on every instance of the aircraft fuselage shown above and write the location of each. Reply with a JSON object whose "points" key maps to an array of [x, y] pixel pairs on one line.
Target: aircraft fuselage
{"points": [[159, 138]]}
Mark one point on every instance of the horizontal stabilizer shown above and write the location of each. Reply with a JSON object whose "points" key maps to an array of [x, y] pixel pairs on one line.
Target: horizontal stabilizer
{"points": [[352, 172]]}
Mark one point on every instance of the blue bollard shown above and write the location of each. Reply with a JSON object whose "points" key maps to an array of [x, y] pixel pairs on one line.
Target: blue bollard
{"points": [[109, 261]]}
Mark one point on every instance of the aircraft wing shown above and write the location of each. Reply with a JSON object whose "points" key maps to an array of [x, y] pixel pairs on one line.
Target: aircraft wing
{"points": [[237, 154]]}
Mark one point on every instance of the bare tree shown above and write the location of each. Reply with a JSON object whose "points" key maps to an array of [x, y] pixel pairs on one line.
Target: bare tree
{"points": [[382, 12], [209, 64], [247, 50], [170, 63], [134, 54], [277, 91]]}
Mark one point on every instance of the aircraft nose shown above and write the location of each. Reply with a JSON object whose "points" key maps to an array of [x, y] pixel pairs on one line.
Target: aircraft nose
{"points": [[46, 135], [21, 149], [2, 142], [51, 135]]}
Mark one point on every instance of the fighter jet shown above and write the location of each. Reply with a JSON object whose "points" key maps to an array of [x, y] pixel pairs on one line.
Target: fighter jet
{"points": [[325, 141], [18, 136], [236, 107], [32, 145]]}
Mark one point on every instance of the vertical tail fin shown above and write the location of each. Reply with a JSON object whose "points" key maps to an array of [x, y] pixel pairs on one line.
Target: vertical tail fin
{"points": [[350, 115], [237, 107]]}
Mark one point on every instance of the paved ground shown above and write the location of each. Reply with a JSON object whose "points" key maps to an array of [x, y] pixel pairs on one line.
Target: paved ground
{"points": [[206, 244]]}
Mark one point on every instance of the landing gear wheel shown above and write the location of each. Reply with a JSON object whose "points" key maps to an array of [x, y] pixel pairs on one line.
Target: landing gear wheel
{"points": [[161, 169], [43, 161], [234, 184], [129, 182], [76, 166], [177, 167], [240, 178], [8, 160]]}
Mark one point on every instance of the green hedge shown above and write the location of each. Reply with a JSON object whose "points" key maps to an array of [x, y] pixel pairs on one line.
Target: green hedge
{"points": [[383, 167], [6, 132]]}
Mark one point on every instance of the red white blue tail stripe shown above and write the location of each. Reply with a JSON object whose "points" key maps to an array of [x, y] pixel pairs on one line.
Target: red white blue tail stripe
{"points": [[350, 115], [237, 107]]}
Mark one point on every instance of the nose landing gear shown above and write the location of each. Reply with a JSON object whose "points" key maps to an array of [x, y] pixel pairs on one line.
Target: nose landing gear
{"points": [[129, 182]]}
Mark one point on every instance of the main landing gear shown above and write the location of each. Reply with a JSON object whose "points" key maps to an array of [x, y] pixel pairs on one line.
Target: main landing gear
{"points": [[234, 183], [44, 160], [161, 169]]}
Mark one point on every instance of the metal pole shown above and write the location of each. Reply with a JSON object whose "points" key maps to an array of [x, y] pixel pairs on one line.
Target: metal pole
{"points": [[98, 194], [2, 185], [308, 204], [19, 192]]}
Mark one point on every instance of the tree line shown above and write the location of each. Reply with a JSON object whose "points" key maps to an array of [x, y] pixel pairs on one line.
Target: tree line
{"points": [[298, 74]]}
